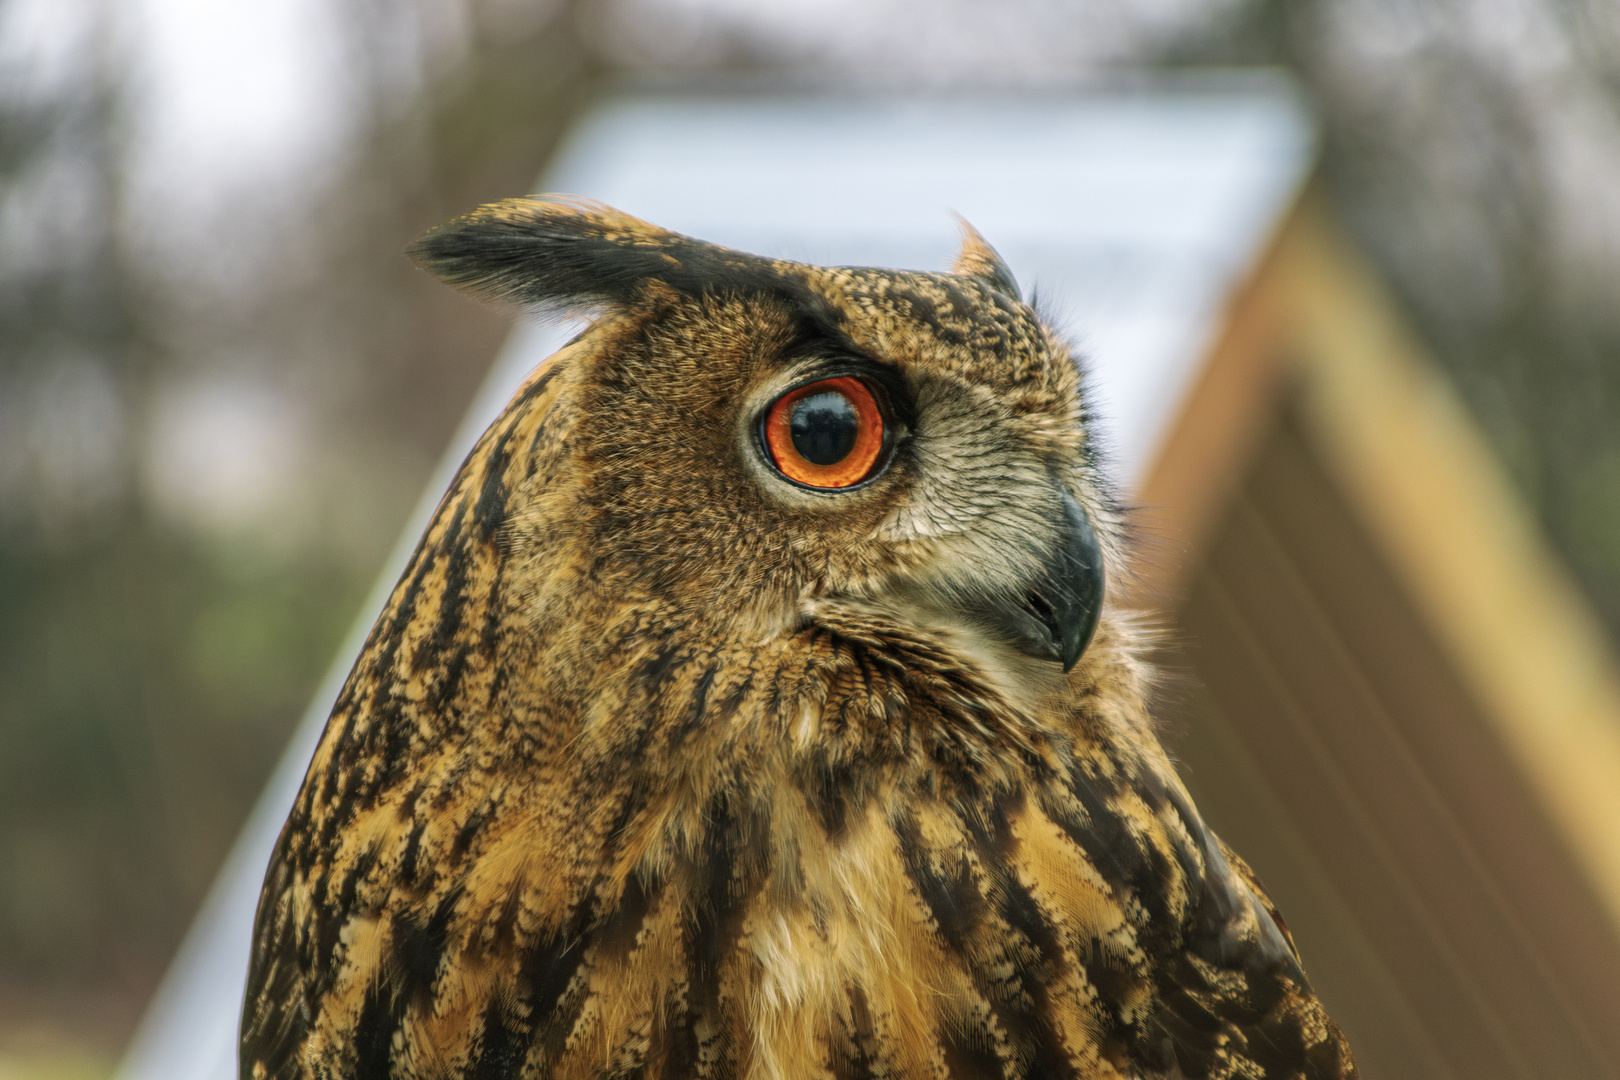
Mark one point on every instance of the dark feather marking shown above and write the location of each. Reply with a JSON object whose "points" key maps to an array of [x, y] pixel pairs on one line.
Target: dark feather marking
{"points": [[274, 1035], [393, 737], [1005, 298], [855, 1061], [1113, 978], [454, 539], [818, 332], [534, 441], [969, 312], [417, 948], [502, 928], [380, 1016], [490, 511], [655, 667], [1114, 849], [502, 1048], [441, 692], [1032, 1027], [1022, 1004], [497, 682], [616, 937], [355, 783], [413, 848], [969, 1055], [452, 601], [381, 669], [726, 871], [951, 898], [1322, 1062], [922, 309], [680, 1034], [332, 776], [472, 826], [406, 810], [870, 679], [330, 911], [488, 514], [1193, 856], [1192, 1029], [531, 251], [494, 623], [716, 905], [1277, 1047], [387, 632], [733, 699], [548, 966], [700, 702], [527, 395], [828, 790]]}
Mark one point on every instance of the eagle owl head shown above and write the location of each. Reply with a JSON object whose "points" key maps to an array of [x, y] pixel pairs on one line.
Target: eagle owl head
{"points": [[756, 439], [735, 717]]}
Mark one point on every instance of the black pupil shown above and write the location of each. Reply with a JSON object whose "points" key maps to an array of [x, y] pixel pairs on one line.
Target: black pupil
{"points": [[824, 427]]}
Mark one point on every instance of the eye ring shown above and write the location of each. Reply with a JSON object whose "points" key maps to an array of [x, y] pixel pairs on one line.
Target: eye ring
{"points": [[828, 435]]}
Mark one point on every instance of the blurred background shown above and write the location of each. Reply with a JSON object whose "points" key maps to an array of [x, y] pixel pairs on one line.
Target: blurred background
{"points": [[222, 386]]}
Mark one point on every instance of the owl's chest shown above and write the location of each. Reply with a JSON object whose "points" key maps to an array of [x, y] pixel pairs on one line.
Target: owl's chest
{"points": [[921, 937]]}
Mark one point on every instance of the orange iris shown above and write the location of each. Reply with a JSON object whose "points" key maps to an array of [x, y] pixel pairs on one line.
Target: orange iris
{"points": [[826, 434]]}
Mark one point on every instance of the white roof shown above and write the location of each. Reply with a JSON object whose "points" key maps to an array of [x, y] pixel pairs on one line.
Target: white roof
{"points": [[1131, 216]]}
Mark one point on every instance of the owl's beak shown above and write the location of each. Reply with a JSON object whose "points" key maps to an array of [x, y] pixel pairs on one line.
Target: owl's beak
{"points": [[1058, 614]]}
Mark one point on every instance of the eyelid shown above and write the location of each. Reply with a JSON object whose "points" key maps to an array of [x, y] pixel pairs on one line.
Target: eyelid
{"points": [[897, 394]]}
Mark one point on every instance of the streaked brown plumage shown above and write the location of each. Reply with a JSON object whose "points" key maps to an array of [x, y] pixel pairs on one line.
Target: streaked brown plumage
{"points": [[659, 765]]}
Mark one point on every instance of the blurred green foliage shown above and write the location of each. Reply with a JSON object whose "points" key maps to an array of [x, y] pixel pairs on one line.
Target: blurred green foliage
{"points": [[153, 662], [146, 682]]}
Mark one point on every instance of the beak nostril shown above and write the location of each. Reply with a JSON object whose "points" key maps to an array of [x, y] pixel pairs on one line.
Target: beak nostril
{"points": [[1055, 625]]}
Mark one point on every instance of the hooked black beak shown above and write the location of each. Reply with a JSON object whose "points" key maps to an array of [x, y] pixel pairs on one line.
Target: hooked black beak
{"points": [[1055, 619]]}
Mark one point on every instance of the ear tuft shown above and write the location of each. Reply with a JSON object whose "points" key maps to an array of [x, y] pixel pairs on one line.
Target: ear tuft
{"points": [[978, 259], [542, 250], [572, 253]]}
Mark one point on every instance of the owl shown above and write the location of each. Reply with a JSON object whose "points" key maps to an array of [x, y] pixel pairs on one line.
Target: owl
{"points": [[754, 707]]}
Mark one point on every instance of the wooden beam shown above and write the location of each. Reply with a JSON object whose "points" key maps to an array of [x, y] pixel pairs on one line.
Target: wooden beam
{"points": [[1422, 479], [1225, 412]]}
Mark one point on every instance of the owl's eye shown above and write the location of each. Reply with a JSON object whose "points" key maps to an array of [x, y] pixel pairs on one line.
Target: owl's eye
{"points": [[827, 434]]}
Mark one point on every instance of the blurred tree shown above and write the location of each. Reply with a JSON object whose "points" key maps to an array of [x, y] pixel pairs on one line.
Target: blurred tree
{"points": [[1473, 149], [159, 636], [72, 355], [488, 117]]}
